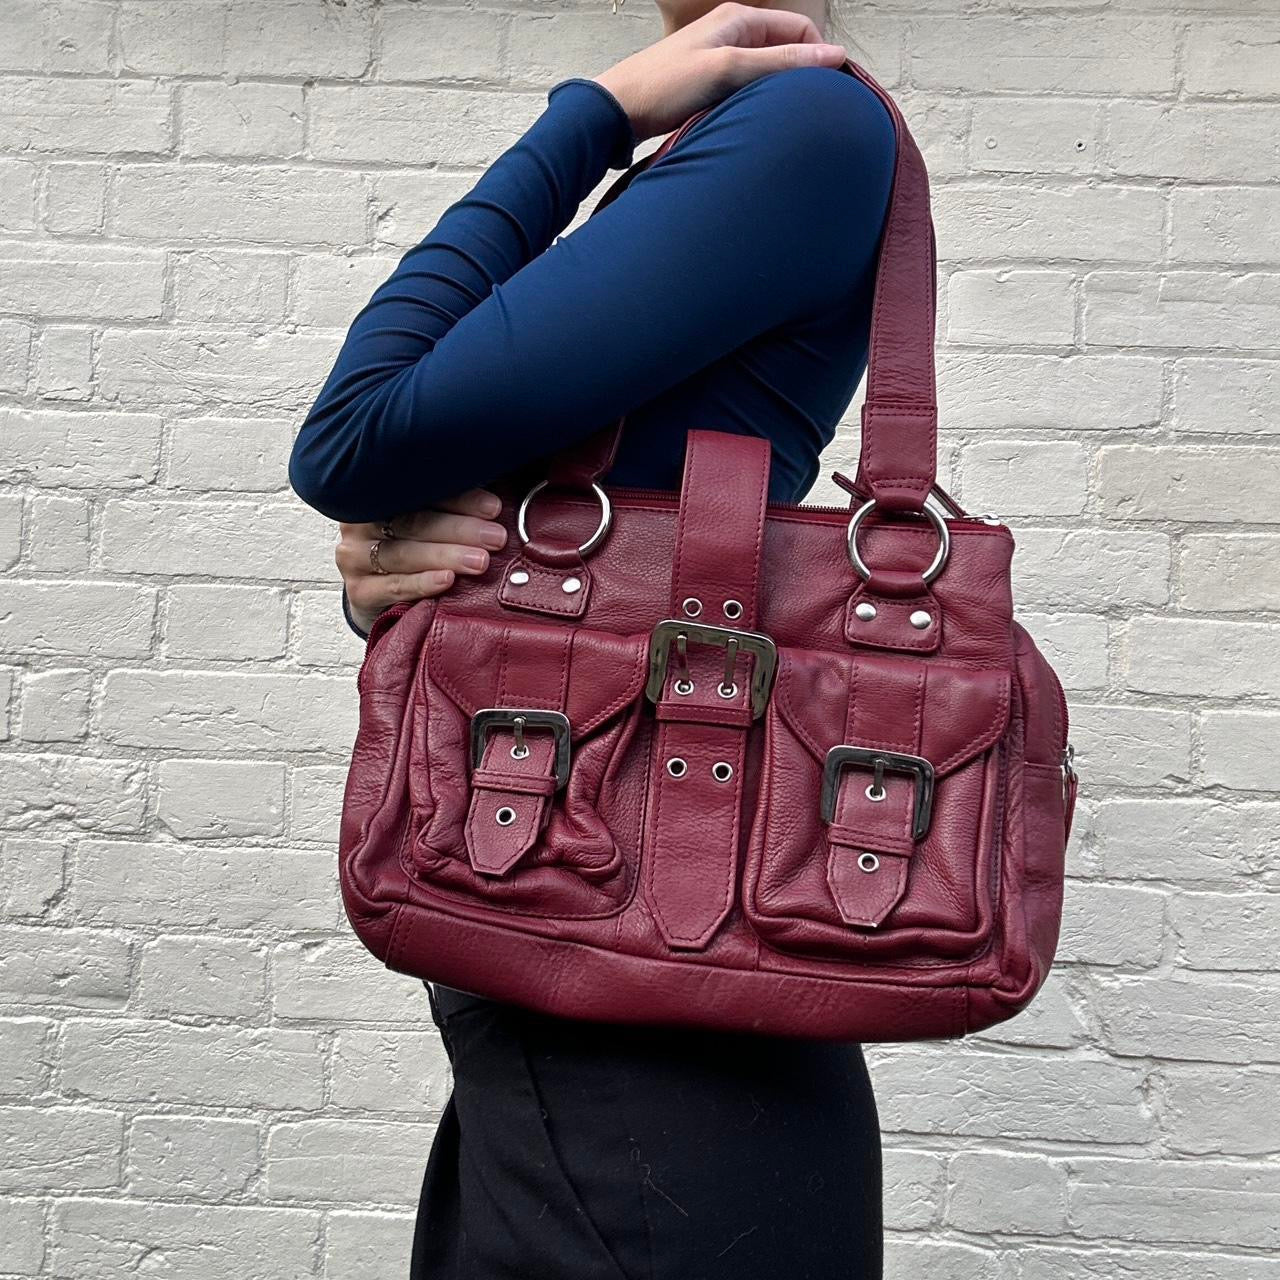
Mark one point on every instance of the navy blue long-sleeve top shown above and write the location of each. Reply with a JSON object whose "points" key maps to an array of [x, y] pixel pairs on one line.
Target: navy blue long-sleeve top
{"points": [[728, 286]]}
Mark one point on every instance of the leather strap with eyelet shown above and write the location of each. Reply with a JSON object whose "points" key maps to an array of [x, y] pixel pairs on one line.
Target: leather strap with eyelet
{"points": [[870, 842], [693, 828], [511, 791]]}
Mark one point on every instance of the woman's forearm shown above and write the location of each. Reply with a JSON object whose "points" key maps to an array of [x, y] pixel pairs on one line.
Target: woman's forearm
{"points": [[372, 444]]}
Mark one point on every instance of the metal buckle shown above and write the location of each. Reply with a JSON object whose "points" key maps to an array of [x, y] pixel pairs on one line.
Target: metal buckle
{"points": [[842, 756], [759, 646], [520, 719]]}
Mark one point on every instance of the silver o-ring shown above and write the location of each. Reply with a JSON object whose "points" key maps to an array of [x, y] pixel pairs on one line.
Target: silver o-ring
{"points": [[606, 517], [722, 771], [868, 862], [935, 518], [676, 767], [732, 609], [692, 606], [505, 816]]}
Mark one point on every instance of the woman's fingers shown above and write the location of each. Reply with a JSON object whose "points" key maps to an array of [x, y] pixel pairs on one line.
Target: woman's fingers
{"points": [[445, 526], [370, 594], [475, 502], [409, 556]]}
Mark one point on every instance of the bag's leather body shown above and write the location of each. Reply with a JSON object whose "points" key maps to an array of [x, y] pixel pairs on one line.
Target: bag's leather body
{"points": [[721, 770]]}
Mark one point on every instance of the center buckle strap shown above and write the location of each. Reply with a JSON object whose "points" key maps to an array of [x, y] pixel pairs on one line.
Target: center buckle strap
{"points": [[709, 683]]}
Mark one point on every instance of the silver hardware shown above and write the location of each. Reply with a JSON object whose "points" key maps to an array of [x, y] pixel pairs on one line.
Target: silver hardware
{"points": [[676, 767], [988, 517], [868, 862], [759, 646], [843, 755], [684, 681], [722, 771], [865, 610], [505, 816], [570, 585], [485, 721], [518, 578], [727, 689], [876, 791], [606, 517], [931, 511], [1068, 772], [692, 606], [920, 618], [521, 749], [732, 609]]}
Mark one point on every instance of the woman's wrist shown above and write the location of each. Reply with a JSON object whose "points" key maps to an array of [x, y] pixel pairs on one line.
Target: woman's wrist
{"points": [[350, 617], [601, 103]]}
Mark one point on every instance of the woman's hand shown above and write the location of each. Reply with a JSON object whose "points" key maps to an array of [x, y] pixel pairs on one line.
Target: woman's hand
{"points": [[430, 548], [704, 61]]}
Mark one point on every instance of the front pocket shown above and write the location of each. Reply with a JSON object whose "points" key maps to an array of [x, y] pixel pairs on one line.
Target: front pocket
{"points": [[862, 880], [540, 819]]}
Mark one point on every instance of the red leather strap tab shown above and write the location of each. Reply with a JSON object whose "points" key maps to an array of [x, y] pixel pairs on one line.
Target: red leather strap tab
{"points": [[720, 534], [886, 709], [511, 795]]}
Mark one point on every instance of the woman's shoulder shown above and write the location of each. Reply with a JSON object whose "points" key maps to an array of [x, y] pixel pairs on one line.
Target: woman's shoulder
{"points": [[802, 116]]}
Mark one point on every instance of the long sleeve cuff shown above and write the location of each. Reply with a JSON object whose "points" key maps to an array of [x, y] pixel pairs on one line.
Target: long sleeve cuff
{"points": [[597, 103], [346, 613]]}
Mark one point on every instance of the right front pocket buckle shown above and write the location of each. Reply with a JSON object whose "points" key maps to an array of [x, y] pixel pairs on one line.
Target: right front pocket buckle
{"points": [[843, 755]]}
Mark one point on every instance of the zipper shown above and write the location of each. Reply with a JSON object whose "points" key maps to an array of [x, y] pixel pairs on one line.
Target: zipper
{"points": [[673, 496]]}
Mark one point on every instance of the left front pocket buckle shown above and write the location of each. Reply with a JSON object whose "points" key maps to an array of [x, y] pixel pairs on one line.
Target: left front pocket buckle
{"points": [[843, 755], [520, 719]]}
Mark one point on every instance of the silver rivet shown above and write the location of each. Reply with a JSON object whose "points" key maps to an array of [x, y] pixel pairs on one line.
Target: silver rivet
{"points": [[570, 585], [505, 816], [875, 792], [722, 771], [866, 611], [676, 767], [732, 609], [868, 862], [692, 606], [920, 619], [519, 578]]}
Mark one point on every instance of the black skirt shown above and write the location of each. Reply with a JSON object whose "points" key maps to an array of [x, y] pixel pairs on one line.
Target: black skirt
{"points": [[573, 1150]]}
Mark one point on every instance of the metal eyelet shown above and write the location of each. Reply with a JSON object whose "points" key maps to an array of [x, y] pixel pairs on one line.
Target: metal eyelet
{"points": [[692, 606], [875, 792], [505, 816], [727, 690], [732, 609], [677, 767], [722, 771], [868, 862], [683, 687], [519, 753]]}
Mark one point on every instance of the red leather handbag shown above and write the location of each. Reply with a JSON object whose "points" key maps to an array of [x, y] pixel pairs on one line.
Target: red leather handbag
{"points": [[704, 760]]}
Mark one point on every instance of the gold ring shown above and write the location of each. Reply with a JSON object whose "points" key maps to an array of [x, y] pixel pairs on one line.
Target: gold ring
{"points": [[373, 556]]}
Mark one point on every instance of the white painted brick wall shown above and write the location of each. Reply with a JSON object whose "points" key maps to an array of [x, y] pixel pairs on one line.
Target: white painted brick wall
{"points": [[201, 1073]]}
